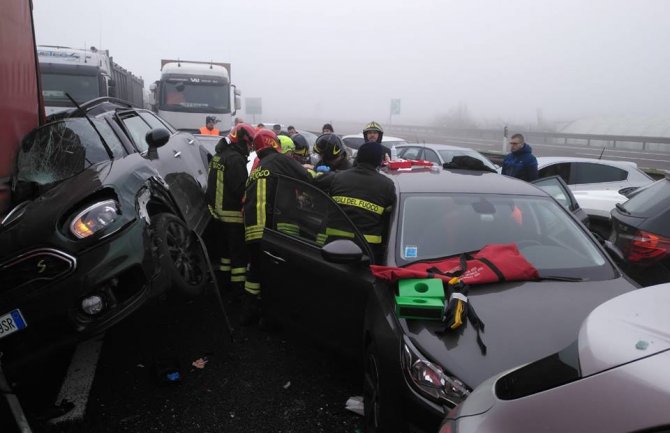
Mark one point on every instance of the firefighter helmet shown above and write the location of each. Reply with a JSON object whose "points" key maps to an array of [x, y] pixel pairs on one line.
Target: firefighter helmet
{"points": [[286, 142], [265, 139], [373, 126], [329, 147], [242, 133]]}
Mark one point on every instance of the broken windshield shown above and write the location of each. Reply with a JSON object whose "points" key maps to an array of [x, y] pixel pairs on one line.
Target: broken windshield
{"points": [[62, 149]]}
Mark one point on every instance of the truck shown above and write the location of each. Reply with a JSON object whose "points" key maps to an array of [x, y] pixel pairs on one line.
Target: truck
{"points": [[21, 108], [189, 91], [84, 74]]}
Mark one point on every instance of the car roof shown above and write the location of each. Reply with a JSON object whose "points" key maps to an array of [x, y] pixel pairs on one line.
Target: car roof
{"points": [[546, 160], [384, 137], [623, 329], [438, 180]]}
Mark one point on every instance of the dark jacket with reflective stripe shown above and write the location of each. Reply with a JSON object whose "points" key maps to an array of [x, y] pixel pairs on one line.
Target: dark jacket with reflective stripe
{"points": [[227, 177], [366, 196], [261, 188]]}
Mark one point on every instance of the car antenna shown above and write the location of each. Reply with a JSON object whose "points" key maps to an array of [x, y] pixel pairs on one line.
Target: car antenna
{"points": [[601, 153], [104, 143]]}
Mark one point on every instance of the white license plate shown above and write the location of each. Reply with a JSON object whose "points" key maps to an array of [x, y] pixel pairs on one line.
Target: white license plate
{"points": [[12, 322]]}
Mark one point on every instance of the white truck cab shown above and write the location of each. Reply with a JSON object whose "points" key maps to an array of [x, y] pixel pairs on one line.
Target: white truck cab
{"points": [[188, 92]]}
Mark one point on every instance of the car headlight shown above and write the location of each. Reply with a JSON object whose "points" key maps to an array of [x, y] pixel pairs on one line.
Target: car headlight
{"points": [[430, 380], [94, 218]]}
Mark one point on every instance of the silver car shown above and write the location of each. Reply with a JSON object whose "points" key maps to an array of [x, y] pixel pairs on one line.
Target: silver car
{"points": [[614, 378]]}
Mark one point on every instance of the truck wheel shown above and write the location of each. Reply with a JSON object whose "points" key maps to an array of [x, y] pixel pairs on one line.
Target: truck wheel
{"points": [[380, 413], [180, 255]]}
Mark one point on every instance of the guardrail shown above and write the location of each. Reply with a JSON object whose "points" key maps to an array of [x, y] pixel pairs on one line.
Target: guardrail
{"points": [[628, 142]]}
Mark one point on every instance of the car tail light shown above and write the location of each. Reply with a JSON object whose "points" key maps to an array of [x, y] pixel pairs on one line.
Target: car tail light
{"points": [[644, 248]]}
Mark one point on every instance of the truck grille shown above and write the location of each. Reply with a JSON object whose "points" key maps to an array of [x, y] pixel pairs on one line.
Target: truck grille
{"points": [[35, 269]]}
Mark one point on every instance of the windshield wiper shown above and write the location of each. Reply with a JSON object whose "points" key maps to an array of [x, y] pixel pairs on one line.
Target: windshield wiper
{"points": [[622, 209], [559, 278]]}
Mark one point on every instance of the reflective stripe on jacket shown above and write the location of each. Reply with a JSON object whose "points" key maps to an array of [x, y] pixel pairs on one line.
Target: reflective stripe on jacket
{"points": [[226, 180], [261, 189], [365, 195]]}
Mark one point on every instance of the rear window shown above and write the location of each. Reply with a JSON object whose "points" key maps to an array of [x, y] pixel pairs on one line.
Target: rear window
{"points": [[651, 200]]}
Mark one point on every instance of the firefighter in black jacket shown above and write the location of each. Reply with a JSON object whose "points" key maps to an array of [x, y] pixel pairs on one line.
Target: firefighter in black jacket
{"points": [[259, 209], [366, 196], [227, 177]]}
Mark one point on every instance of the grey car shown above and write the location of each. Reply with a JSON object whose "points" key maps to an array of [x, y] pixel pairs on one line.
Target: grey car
{"points": [[411, 365], [614, 378]]}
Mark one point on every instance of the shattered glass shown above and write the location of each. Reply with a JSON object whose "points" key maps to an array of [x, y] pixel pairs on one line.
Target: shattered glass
{"points": [[62, 149]]}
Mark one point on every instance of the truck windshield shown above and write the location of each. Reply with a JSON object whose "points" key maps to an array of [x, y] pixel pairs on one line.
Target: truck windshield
{"points": [[60, 150], [207, 95], [81, 87]]}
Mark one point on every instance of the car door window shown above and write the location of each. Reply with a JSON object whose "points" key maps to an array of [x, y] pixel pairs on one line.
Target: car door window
{"points": [[137, 128], [554, 188], [409, 152], [305, 212], [561, 169], [430, 155], [154, 121], [588, 172]]}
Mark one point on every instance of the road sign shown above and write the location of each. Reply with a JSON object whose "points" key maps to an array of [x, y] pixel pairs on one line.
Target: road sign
{"points": [[253, 106], [395, 106]]}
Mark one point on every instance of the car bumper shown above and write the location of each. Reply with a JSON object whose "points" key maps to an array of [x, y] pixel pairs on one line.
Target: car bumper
{"points": [[120, 269]]}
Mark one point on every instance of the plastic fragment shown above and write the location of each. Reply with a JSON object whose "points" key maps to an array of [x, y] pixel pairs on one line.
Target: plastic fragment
{"points": [[355, 405]]}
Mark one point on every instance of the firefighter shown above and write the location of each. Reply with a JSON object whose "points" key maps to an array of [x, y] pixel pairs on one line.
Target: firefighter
{"points": [[259, 209], [332, 154], [373, 132], [227, 177], [366, 196], [301, 151]]}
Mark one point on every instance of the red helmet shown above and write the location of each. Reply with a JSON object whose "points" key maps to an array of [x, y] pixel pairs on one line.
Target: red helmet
{"points": [[264, 139], [242, 133]]}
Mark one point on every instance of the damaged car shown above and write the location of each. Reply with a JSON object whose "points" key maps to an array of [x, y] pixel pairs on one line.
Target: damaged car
{"points": [[108, 205]]}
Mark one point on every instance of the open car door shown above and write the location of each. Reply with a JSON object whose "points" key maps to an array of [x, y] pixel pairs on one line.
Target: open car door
{"points": [[317, 287], [558, 189]]}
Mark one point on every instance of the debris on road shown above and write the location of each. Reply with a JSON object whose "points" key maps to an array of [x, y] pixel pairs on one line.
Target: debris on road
{"points": [[200, 362], [355, 404]]}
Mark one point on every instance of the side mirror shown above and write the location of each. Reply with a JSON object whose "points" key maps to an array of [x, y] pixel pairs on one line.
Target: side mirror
{"points": [[157, 137], [342, 251]]}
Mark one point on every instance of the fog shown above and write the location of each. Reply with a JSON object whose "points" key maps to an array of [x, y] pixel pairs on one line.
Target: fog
{"points": [[512, 61]]}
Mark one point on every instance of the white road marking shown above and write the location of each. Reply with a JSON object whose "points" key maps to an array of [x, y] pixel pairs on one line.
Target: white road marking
{"points": [[79, 379]]}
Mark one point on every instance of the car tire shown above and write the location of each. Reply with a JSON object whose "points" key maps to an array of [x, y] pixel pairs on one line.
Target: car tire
{"points": [[379, 407], [180, 255]]}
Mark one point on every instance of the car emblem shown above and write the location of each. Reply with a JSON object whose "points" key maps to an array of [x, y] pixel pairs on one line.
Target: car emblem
{"points": [[41, 266]]}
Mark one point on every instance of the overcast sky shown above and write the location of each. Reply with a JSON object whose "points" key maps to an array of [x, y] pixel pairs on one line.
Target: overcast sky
{"points": [[346, 59]]}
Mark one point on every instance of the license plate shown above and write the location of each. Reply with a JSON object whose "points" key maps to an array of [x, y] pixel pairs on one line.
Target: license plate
{"points": [[12, 322]]}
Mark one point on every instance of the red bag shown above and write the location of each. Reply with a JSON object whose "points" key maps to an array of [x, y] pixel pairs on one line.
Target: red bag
{"points": [[493, 263]]}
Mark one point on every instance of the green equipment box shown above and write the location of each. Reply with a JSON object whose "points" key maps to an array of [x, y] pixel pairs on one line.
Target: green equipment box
{"points": [[415, 307], [421, 288]]}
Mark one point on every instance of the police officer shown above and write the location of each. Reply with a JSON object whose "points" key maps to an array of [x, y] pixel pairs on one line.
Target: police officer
{"points": [[259, 209], [366, 196], [227, 177]]}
